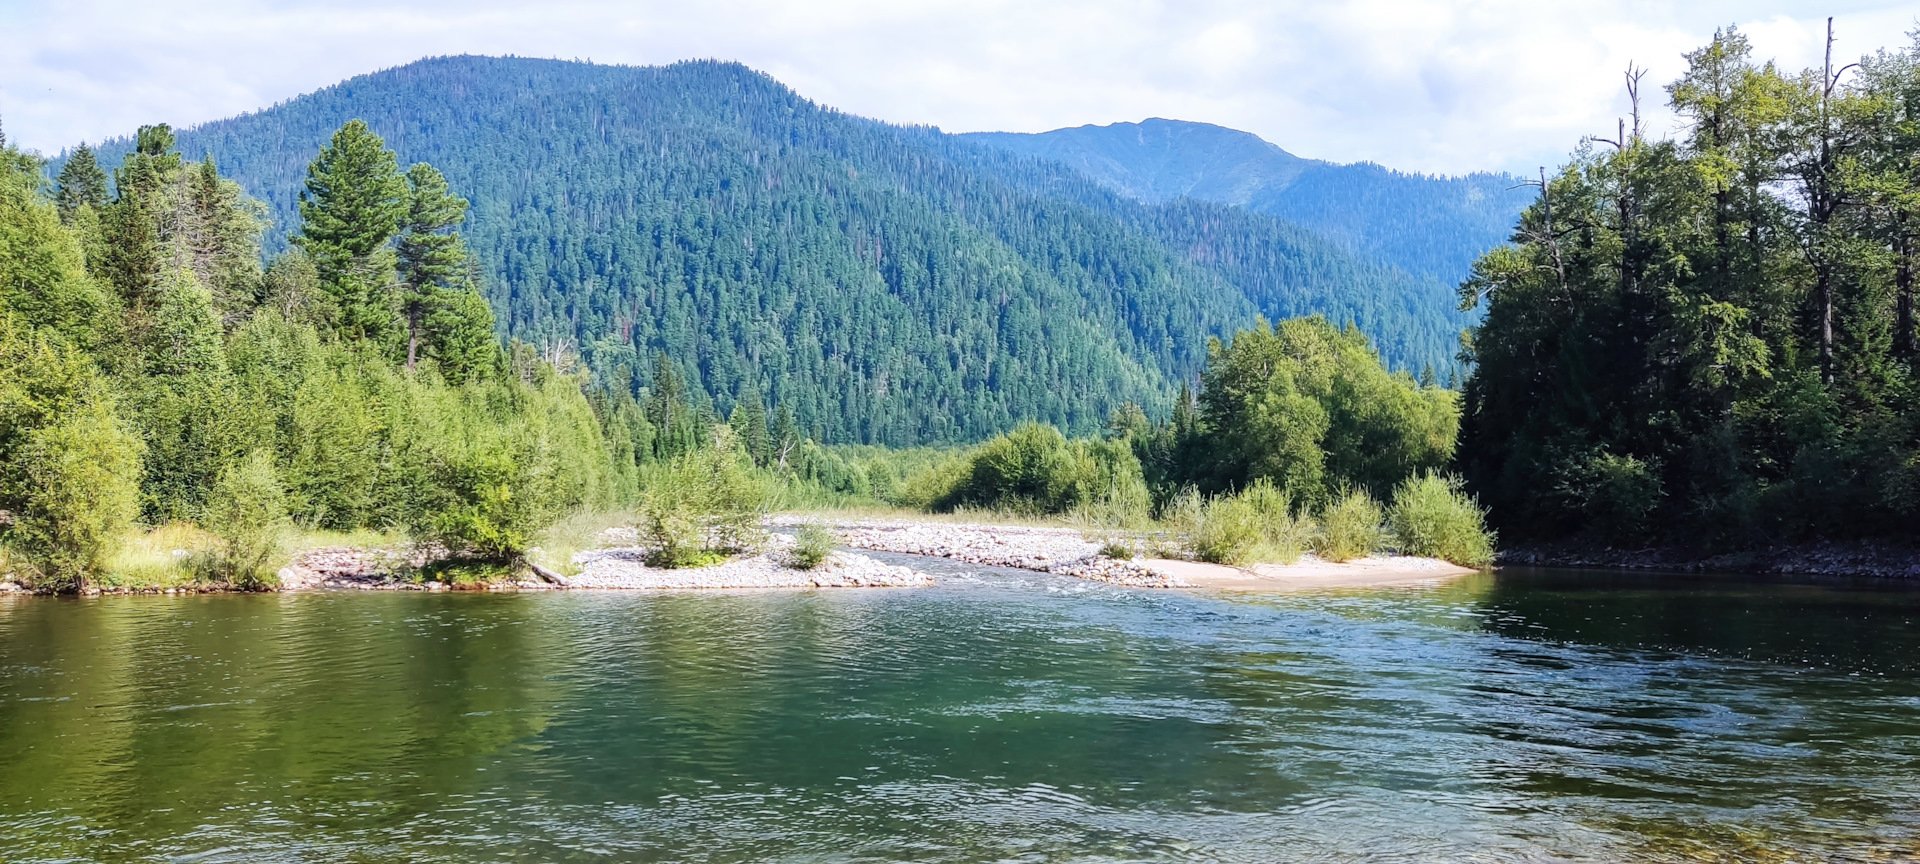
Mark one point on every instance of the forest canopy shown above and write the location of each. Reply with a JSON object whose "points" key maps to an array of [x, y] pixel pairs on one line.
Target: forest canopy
{"points": [[1711, 339]]}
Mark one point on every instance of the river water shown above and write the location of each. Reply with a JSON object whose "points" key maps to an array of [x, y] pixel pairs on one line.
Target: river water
{"points": [[1519, 716]]}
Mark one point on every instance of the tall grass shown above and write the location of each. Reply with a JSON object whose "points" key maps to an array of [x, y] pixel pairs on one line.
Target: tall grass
{"points": [[1350, 528], [173, 555], [1434, 517], [1258, 525]]}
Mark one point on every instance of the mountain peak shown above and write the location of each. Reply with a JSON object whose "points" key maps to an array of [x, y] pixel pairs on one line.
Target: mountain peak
{"points": [[1158, 159]]}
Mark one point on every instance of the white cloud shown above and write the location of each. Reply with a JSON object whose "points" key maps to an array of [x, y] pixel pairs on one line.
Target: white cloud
{"points": [[1445, 87]]}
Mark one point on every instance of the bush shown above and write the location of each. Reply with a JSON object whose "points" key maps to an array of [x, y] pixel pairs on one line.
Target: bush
{"points": [[248, 515], [1285, 532], [1035, 470], [1614, 496], [1117, 550], [811, 546], [1433, 516], [1229, 532], [83, 474], [1351, 528], [704, 506]]}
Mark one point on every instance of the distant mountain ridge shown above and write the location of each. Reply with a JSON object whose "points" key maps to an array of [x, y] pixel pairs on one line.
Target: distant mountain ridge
{"points": [[888, 284], [1430, 226]]}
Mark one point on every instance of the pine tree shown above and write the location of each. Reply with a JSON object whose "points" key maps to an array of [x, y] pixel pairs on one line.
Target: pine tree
{"points": [[457, 328], [82, 183], [354, 201], [135, 239], [749, 422], [784, 437], [432, 257]]}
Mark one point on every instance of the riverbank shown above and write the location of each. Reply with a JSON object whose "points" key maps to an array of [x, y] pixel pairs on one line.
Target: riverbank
{"points": [[1829, 560], [1065, 551], [614, 559]]}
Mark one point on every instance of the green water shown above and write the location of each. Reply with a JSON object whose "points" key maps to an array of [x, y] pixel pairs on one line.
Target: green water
{"points": [[997, 717]]}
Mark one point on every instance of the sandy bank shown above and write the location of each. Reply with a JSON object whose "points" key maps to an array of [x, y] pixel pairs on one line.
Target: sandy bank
{"points": [[1064, 551]]}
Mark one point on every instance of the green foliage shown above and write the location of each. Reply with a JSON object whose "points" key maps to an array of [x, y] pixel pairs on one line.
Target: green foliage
{"points": [[1229, 531], [812, 543], [1258, 525], [1612, 496], [354, 202], [1035, 469], [183, 399], [1310, 408], [704, 506], [1433, 516], [246, 412], [83, 472], [1711, 340], [433, 263], [248, 513], [82, 183], [43, 276], [883, 284], [1350, 528], [1285, 531]]}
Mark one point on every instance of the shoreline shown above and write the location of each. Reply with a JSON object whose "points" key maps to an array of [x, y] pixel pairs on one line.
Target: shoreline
{"points": [[1827, 560], [619, 564], [1065, 552]]}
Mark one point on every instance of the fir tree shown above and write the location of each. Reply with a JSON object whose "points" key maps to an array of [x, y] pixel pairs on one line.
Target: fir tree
{"points": [[82, 183], [432, 257], [354, 201]]}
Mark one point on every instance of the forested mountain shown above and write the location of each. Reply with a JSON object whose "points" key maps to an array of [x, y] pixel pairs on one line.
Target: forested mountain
{"points": [[1433, 227], [883, 283]]}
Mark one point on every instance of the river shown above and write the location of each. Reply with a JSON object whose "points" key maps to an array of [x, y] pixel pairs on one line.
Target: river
{"points": [[1518, 716]]}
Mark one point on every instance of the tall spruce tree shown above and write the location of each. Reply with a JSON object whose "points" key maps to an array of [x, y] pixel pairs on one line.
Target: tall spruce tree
{"points": [[353, 204], [432, 257], [82, 183]]}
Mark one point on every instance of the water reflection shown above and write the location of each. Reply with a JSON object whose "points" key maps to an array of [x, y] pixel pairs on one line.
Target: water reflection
{"points": [[1524, 716]]}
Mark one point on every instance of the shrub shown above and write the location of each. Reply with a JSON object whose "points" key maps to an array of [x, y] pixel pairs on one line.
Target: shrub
{"points": [[1285, 532], [82, 473], [811, 546], [705, 505], [928, 487], [1035, 470], [485, 507], [1434, 517], [248, 515], [1351, 528], [1614, 496], [1229, 532], [1116, 549], [1126, 504]]}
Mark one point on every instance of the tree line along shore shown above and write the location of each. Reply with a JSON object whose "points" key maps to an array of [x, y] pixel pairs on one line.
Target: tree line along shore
{"points": [[1705, 343]]}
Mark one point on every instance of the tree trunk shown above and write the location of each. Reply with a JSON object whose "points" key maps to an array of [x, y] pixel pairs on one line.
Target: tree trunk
{"points": [[1903, 298], [413, 339]]}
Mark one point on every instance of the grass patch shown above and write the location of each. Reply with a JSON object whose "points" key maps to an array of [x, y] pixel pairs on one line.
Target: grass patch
{"points": [[555, 546], [174, 555]]}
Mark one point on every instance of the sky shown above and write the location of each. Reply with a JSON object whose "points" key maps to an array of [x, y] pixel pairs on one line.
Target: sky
{"points": [[1439, 87]]}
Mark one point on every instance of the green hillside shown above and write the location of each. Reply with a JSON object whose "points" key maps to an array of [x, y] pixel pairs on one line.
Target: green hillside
{"points": [[887, 284]]}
